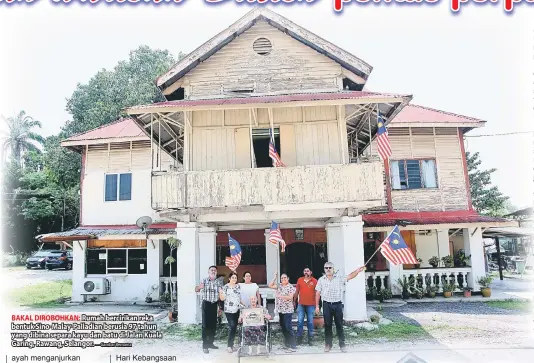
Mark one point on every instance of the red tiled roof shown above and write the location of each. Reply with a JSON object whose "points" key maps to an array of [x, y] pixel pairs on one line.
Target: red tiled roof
{"points": [[122, 128], [427, 218], [421, 114], [345, 95]]}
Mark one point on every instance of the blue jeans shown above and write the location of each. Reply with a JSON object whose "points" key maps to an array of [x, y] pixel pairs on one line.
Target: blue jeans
{"points": [[309, 311]]}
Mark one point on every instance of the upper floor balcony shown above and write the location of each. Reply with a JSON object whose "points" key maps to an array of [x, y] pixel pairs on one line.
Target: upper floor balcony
{"points": [[340, 185]]}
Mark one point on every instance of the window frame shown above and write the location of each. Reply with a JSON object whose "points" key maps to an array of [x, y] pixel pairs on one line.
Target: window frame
{"points": [[107, 273], [118, 196], [421, 176]]}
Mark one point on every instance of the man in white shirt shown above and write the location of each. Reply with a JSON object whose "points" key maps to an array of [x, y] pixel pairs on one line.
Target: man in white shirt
{"points": [[331, 288]]}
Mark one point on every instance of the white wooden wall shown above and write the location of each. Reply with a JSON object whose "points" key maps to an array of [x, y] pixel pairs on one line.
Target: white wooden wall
{"points": [[128, 157], [291, 65], [308, 136], [442, 144]]}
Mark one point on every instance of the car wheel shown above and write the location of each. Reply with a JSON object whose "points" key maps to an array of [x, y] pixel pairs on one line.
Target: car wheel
{"points": [[49, 268], [29, 267]]}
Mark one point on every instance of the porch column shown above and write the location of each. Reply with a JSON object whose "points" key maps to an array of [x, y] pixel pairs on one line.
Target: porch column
{"points": [[206, 247], [474, 246], [188, 259], [153, 257], [443, 243], [345, 251], [78, 270], [395, 273], [272, 260]]}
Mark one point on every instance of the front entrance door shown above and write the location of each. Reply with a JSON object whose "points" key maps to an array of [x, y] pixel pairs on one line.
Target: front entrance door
{"points": [[298, 256]]}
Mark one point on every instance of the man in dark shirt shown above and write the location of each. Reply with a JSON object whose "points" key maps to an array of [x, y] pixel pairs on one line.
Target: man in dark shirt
{"points": [[210, 287]]}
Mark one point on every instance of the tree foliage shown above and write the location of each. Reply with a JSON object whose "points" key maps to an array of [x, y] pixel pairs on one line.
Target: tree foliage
{"points": [[486, 198], [43, 196]]}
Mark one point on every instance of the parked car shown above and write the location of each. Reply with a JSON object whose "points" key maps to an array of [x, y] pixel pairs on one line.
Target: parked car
{"points": [[59, 259], [38, 259]]}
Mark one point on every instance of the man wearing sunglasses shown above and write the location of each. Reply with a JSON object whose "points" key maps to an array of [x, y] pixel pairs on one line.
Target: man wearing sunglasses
{"points": [[331, 288]]}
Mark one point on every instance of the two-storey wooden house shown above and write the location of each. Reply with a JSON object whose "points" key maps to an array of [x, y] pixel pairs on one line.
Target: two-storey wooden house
{"points": [[207, 174]]}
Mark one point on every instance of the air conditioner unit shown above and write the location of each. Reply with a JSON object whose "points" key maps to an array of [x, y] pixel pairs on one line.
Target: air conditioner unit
{"points": [[96, 286]]}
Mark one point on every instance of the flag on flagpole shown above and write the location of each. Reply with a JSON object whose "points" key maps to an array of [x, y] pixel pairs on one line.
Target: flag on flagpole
{"points": [[273, 154], [382, 139], [275, 236], [395, 249], [235, 254]]}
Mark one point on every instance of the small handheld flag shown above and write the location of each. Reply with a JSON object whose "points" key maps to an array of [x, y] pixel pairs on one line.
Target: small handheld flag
{"points": [[275, 236], [235, 254], [382, 139], [273, 154], [395, 249]]}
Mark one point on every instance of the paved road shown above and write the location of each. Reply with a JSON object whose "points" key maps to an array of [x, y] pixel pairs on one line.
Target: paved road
{"points": [[20, 276]]}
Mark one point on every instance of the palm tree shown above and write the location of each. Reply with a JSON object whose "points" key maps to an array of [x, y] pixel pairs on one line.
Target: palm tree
{"points": [[20, 138]]}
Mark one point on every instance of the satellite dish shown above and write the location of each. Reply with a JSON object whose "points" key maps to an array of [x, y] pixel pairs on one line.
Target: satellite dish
{"points": [[144, 222]]}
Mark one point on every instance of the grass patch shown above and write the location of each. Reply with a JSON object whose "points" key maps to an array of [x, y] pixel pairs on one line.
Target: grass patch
{"points": [[41, 295], [511, 305], [188, 332], [393, 331]]}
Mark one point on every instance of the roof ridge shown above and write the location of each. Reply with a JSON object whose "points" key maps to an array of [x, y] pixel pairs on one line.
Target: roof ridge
{"points": [[119, 120], [222, 38], [446, 112]]}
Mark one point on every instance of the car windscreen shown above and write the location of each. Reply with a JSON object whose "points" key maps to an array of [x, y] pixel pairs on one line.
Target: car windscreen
{"points": [[42, 254]]}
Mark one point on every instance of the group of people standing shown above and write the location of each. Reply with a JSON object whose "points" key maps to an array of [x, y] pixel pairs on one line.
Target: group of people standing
{"points": [[305, 297]]}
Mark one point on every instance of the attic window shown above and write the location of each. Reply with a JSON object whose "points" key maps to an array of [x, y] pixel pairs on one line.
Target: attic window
{"points": [[262, 46]]}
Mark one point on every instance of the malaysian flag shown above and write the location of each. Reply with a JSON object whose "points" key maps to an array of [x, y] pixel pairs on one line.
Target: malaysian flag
{"points": [[273, 154], [395, 249], [235, 254], [275, 236], [382, 139]]}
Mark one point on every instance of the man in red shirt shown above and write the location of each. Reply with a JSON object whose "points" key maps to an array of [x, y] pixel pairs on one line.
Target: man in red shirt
{"points": [[305, 295]]}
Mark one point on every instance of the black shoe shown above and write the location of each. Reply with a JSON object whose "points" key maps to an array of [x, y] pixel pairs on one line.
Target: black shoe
{"points": [[299, 340], [310, 341], [205, 350], [214, 347]]}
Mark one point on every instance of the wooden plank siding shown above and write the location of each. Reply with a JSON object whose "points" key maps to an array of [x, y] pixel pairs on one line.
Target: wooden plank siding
{"points": [[124, 157], [270, 186], [308, 136], [290, 65], [442, 144]]}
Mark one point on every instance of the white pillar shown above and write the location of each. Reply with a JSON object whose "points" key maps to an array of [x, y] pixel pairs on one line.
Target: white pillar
{"points": [[78, 270], [395, 273], [188, 273], [345, 250], [207, 250], [474, 246], [272, 258], [443, 243], [334, 247], [153, 258]]}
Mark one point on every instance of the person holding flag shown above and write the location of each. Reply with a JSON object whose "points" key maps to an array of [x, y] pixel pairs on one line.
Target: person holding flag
{"points": [[330, 289]]}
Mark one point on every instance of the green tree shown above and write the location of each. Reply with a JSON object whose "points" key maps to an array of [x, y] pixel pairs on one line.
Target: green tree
{"points": [[130, 83], [486, 198], [20, 137]]}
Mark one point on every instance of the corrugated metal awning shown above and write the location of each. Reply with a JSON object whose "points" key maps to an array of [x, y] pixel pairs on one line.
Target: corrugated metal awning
{"points": [[95, 233]]}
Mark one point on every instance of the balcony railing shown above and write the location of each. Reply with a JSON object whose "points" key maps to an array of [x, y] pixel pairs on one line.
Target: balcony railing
{"points": [[270, 186]]}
